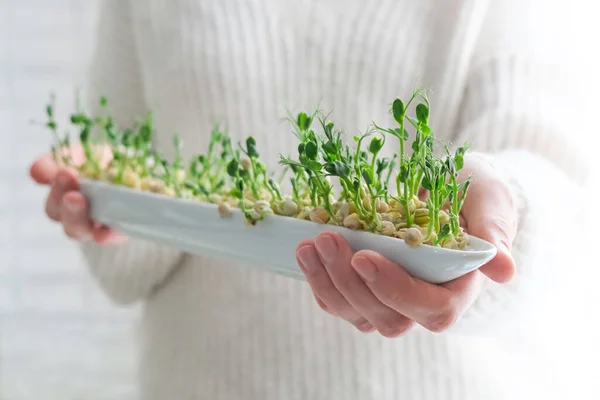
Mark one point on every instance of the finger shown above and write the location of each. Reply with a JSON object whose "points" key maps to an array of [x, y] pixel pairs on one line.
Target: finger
{"points": [[74, 216], [435, 307], [43, 170], [102, 153], [65, 181], [336, 255], [463, 222], [502, 267], [492, 216], [323, 288], [321, 303], [105, 235]]}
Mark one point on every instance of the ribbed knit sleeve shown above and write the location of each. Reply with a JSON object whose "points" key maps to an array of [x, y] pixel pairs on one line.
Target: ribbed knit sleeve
{"points": [[128, 271], [516, 107]]}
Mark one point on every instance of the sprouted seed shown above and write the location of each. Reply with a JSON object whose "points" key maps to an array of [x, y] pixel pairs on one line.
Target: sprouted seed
{"points": [[376, 194], [225, 210]]}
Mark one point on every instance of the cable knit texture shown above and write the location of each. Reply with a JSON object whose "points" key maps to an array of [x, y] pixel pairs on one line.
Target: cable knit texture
{"points": [[220, 331]]}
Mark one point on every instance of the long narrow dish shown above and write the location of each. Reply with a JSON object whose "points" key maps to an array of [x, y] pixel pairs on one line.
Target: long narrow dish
{"points": [[197, 228]]}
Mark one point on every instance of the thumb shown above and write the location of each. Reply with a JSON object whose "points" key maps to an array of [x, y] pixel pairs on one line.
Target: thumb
{"points": [[494, 229], [491, 214]]}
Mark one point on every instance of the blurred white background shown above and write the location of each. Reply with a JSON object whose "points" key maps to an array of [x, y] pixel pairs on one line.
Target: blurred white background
{"points": [[59, 336]]}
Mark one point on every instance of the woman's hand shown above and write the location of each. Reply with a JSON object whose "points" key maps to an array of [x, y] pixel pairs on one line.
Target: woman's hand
{"points": [[66, 204], [373, 293]]}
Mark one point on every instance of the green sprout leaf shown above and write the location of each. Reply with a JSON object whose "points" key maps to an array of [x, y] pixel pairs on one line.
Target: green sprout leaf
{"points": [[398, 110], [330, 148], [311, 150], [304, 121], [426, 182], [240, 187], [203, 190], [338, 168], [381, 165], [84, 135], [251, 147], [401, 134], [301, 147], [314, 166], [444, 233], [422, 113], [375, 145], [233, 168]]}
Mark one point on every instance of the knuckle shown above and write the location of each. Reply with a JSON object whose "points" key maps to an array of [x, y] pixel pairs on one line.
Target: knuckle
{"points": [[320, 284], [320, 278], [330, 300], [499, 223], [345, 284]]}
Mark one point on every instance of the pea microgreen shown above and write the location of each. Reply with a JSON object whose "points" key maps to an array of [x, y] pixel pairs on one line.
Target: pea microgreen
{"points": [[333, 180]]}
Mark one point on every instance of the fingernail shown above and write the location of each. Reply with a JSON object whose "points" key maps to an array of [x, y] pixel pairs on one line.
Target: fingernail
{"points": [[308, 257], [327, 247], [72, 206], [365, 268], [364, 326]]}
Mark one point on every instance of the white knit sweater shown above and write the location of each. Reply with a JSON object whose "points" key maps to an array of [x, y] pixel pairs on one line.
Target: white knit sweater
{"points": [[216, 331]]}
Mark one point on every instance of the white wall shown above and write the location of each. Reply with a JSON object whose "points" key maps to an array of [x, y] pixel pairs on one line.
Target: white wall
{"points": [[60, 338]]}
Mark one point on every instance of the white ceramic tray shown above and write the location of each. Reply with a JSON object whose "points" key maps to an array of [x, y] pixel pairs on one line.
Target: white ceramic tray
{"points": [[197, 228]]}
